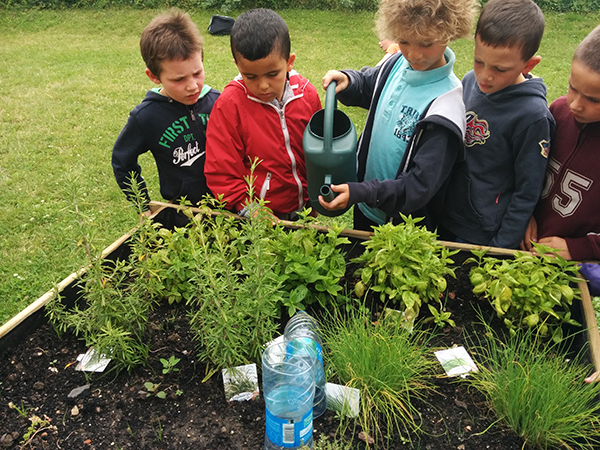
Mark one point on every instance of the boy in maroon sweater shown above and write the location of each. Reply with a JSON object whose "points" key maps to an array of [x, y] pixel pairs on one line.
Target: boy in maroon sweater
{"points": [[567, 216]]}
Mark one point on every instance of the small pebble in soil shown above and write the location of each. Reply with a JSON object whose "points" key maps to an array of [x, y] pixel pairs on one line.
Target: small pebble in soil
{"points": [[173, 337], [78, 391], [6, 440], [39, 386]]}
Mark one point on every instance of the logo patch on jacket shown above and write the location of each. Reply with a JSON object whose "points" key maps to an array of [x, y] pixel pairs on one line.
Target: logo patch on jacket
{"points": [[477, 130], [545, 146]]}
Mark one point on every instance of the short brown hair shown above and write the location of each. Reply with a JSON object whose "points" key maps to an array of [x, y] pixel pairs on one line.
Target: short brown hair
{"points": [[171, 35], [512, 23], [588, 52], [447, 20]]}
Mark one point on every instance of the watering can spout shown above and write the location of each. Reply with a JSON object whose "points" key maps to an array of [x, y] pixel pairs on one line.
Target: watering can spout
{"points": [[325, 191], [329, 143]]}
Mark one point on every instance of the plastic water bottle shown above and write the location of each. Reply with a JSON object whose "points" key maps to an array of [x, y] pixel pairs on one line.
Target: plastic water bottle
{"points": [[304, 327], [288, 389]]}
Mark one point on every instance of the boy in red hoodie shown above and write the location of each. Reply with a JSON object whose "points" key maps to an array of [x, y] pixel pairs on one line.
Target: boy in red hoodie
{"points": [[262, 115]]}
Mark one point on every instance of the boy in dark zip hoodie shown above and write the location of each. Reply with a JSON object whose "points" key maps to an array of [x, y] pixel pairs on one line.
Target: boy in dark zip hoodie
{"points": [[493, 192], [171, 121]]}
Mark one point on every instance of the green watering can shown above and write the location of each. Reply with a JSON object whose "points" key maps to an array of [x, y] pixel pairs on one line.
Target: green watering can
{"points": [[329, 143]]}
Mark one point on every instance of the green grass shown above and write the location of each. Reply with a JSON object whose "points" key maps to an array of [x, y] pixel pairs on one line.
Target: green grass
{"points": [[69, 79]]}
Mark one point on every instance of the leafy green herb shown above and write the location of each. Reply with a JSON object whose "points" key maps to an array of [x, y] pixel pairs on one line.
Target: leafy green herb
{"points": [[407, 266], [310, 264], [528, 291], [169, 364]]}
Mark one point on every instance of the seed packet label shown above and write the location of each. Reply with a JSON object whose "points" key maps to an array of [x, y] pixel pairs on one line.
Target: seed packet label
{"points": [[456, 361], [92, 361], [240, 383], [274, 341], [342, 399], [288, 433]]}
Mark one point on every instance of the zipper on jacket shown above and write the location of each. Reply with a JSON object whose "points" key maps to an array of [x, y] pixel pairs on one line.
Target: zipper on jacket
{"points": [[288, 148], [265, 186]]}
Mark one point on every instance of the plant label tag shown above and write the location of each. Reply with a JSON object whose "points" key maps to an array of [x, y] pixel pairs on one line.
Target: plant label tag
{"points": [[277, 340], [92, 362], [456, 361], [240, 383], [342, 399]]}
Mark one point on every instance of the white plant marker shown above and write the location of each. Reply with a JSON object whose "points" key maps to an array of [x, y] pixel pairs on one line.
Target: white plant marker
{"points": [[92, 361], [240, 383], [456, 361]]}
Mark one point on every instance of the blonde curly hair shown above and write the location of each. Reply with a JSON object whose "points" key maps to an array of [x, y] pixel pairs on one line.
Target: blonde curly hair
{"points": [[422, 20]]}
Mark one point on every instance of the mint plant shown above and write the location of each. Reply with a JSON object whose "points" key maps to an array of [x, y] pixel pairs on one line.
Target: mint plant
{"points": [[407, 266], [169, 364], [310, 264], [528, 291]]}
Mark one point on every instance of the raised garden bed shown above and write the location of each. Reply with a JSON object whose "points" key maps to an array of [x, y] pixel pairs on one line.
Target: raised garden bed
{"points": [[37, 375]]}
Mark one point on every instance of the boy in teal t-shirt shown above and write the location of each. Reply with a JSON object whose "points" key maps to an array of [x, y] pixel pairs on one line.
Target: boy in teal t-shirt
{"points": [[416, 121]]}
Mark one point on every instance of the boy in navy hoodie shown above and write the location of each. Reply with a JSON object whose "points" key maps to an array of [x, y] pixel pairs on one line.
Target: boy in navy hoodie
{"points": [[493, 192], [171, 121]]}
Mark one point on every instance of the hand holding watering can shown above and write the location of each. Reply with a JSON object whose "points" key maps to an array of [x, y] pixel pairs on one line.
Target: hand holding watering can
{"points": [[329, 149]]}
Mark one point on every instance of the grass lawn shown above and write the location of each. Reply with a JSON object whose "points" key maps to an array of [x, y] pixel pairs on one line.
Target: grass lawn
{"points": [[69, 80]]}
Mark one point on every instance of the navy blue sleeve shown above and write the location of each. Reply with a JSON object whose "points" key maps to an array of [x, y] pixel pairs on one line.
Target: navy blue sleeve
{"points": [[360, 88], [128, 146], [530, 169], [413, 189]]}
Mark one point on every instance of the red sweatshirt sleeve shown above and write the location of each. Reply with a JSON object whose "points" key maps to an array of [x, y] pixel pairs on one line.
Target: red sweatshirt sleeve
{"points": [[226, 164]]}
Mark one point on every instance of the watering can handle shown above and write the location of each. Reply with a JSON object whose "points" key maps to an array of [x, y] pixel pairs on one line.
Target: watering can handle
{"points": [[330, 106]]}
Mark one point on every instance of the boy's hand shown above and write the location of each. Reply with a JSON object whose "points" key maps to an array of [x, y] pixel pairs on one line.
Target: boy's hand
{"points": [[340, 201], [145, 214], [530, 235], [339, 77], [558, 243], [593, 378]]}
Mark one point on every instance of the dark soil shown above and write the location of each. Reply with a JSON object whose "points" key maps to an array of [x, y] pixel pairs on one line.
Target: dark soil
{"points": [[115, 412]]}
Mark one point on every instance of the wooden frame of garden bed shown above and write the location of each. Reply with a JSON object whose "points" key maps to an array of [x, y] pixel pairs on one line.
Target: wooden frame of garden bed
{"points": [[33, 315]]}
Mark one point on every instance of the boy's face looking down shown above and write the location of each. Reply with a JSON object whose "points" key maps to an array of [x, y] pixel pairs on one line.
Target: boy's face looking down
{"points": [[499, 67], [423, 55], [181, 79], [583, 96], [265, 78]]}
